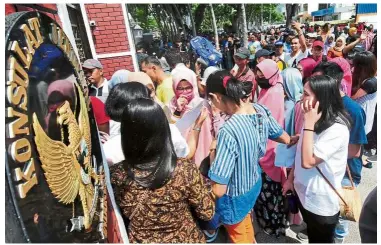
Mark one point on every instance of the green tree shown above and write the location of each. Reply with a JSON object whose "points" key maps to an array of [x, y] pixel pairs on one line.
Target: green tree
{"points": [[141, 13]]}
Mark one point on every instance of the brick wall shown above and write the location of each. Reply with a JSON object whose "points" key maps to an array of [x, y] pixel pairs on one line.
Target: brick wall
{"points": [[110, 35], [112, 64]]}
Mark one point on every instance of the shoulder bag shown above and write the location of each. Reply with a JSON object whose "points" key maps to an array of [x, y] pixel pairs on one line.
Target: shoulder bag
{"points": [[350, 201]]}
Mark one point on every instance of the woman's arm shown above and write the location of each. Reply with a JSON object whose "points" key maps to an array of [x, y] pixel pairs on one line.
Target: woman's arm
{"points": [[350, 46], [309, 160], [288, 185], [219, 190], [311, 116], [360, 92], [284, 138]]}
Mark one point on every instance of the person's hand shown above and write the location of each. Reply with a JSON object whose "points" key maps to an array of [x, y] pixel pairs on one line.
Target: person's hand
{"points": [[215, 110], [288, 186], [296, 25], [181, 103], [233, 72], [104, 137], [311, 115], [35, 218], [364, 35], [201, 118], [293, 140]]}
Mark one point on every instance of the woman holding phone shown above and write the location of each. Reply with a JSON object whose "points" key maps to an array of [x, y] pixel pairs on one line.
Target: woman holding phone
{"points": [[323, 146]]}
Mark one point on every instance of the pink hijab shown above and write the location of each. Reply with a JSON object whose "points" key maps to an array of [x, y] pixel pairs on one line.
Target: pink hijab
{"points": [[308, 65], [346, 82], [273, 99], [207, 132], [193, 97]]}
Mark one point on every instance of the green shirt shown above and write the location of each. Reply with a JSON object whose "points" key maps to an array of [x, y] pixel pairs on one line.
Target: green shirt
{"points": [[164, 91]]}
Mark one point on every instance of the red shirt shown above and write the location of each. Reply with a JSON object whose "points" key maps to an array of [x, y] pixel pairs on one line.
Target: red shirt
{"points": [[99, 111]]}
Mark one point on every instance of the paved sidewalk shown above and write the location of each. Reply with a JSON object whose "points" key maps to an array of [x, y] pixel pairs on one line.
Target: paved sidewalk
{"points": [[368, 183]]}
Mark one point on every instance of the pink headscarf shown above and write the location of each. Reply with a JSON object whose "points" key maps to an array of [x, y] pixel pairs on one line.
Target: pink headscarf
{"points": [[346, 82], [193, 97], [273, 99], [308, 65], [206, 133]]}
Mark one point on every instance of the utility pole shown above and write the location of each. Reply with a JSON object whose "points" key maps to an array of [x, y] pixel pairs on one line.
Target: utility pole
{"points": [[215, 27], [261, 15], [245, 39], [270, 15]]}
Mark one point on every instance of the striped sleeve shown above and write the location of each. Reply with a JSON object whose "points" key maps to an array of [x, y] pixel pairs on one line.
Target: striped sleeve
{"points": [[223, 166], [275, 130]]}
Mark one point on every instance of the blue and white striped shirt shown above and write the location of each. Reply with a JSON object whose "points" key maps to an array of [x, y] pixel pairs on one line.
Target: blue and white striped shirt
{"points": [[241, 142]]}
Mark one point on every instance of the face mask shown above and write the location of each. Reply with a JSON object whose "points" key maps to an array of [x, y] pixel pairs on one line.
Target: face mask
{"points": [[263, 83]]}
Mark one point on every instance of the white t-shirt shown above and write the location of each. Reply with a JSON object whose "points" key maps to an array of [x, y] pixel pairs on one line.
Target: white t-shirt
{"points": [[314, 192], [114, 153], [290, 60], [114, 128]]}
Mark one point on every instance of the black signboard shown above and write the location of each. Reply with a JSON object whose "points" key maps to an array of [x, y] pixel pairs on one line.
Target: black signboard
{"points": [[55, 189]]}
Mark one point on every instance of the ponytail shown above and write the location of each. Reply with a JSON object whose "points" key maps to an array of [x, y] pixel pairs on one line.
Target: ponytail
{"points": [[224, 83]]}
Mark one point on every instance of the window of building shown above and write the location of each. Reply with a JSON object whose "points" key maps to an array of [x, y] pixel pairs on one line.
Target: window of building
{"points": [[305, 7]]}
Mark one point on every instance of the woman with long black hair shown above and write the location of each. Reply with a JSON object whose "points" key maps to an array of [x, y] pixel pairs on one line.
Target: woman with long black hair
{"points": [[241, 142], [323, 147], [154, 189], [365, 93]]}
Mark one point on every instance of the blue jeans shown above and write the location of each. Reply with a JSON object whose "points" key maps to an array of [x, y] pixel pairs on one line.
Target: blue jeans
{"points": [[342, 227]]}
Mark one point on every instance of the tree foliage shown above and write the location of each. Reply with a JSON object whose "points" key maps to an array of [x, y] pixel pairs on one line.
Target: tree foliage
{"points": [[169, 19]]}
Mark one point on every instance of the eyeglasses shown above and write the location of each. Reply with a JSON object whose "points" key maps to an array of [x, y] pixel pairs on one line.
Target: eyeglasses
{"points": [[185, 89]]}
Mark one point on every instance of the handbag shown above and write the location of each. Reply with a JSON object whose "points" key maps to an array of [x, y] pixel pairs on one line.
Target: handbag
{"points": [[350, 201]]}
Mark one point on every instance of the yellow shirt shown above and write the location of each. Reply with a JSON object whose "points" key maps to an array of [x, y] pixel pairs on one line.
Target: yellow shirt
{"points": [[164, 91]]}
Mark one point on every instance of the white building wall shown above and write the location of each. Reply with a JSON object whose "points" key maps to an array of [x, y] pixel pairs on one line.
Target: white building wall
{"points": [[368, 19], [345, 16], [313, 7]]}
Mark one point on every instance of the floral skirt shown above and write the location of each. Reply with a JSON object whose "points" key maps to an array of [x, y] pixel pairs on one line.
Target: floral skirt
{"points": [[269, 208]]}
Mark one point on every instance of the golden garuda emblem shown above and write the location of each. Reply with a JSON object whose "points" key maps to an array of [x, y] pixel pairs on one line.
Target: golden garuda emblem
{"points": [[68, 168]]}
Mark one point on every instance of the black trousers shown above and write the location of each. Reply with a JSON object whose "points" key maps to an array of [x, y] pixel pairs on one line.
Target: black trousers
{"points": [[320, 229]]}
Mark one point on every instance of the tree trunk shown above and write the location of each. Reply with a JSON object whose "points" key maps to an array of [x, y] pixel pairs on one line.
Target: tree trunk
{"points": [[244, 36], [199, 16], [215, 27], [180, 21], [237, 18], [290, 12], [192, 20]]}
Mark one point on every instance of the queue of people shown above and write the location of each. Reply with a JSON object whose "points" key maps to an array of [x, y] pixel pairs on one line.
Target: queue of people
{"points": [[197, 151]]}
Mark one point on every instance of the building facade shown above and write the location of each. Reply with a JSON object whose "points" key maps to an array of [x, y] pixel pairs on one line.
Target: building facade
{"points": [[97, 31], [367, 13], [334, 12]]}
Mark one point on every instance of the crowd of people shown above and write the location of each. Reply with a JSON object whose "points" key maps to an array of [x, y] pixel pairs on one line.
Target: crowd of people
{"points": [[195, 149]]}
